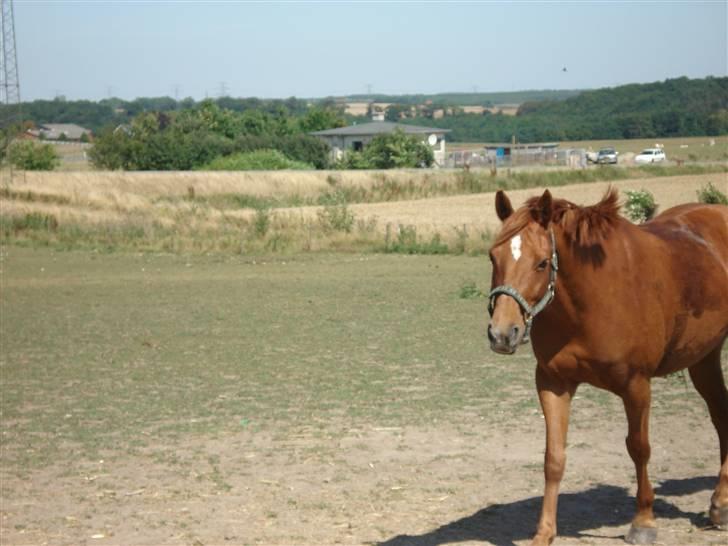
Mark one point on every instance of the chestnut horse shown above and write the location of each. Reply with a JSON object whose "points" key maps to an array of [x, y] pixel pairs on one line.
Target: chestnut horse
{"points": [[613, 304]]}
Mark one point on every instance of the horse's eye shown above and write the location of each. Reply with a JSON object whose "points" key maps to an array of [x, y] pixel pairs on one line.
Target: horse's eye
{"points": [[542, 264]]}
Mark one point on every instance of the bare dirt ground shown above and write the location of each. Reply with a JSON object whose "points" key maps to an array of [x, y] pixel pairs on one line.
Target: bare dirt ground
{"points": [[466, 483]]}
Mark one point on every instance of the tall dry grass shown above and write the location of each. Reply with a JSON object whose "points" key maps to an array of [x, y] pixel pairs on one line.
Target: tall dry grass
{"points": [[257, 212]]}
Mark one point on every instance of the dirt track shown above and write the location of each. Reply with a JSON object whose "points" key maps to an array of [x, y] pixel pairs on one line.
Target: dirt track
{"points": [[450, 483], [477, 211]]}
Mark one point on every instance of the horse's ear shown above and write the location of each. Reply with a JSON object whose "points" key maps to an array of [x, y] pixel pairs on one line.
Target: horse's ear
{"points": [[543, 210], [503, 205]]}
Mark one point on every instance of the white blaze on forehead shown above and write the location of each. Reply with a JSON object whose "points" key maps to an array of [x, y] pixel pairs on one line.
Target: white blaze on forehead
{"points": [[516, 247]]}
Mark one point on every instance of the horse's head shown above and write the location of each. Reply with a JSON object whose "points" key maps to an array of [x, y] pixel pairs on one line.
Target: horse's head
{"points": [[524, 271]]}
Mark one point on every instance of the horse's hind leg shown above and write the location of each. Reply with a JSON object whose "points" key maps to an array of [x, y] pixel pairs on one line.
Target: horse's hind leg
{"points": [[707, 377]]}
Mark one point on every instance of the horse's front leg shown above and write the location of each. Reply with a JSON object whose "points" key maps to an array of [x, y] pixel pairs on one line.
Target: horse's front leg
{"points": [[637, 406], [555, 397]]}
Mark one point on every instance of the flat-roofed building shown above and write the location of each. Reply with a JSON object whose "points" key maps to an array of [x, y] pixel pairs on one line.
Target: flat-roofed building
{"points": [[356, 137]]}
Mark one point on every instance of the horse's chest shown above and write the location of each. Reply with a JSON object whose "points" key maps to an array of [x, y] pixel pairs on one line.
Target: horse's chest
{"points": [[575, 367]]}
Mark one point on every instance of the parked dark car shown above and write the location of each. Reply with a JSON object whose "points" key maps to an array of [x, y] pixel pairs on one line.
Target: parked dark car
{"points": [[607, 155]]}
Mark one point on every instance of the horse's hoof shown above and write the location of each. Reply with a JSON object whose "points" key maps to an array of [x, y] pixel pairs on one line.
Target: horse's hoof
{"points": [[719, 516], [641, 535]]}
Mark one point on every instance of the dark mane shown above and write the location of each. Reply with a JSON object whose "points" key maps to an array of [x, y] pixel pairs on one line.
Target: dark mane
{"points": [[588, 226], [585, 227]]}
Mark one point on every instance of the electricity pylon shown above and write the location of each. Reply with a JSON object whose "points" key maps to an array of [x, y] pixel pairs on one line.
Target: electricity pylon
{"points": [[10, 115]]}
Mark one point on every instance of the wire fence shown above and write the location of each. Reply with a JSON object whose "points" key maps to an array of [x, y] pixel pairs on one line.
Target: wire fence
{"points": [[488, 158]]}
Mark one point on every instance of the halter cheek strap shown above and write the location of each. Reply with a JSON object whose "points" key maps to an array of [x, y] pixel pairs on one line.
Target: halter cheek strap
{"points": [[529, 312]]}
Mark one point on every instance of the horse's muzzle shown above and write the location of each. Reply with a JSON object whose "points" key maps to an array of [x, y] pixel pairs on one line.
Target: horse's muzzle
{"points": [[504, 343]]}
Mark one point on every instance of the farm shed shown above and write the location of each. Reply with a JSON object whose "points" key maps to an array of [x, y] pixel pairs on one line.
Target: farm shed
{"points": [[356, 137]]}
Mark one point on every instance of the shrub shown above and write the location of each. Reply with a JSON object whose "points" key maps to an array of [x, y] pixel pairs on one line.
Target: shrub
{"points": [[303, 148], [336, 216], [353, 160], [29, 156], [640, 206], [712, 195], [259, 160]]}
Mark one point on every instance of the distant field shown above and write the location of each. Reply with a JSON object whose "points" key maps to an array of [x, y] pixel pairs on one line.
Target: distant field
{"points": [[684, 148]]}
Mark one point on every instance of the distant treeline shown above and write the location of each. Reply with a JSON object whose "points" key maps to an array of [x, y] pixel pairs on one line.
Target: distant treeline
{"points": [[675, 107], [114, 112]]}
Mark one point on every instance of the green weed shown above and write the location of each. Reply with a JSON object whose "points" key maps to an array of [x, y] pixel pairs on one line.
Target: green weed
{"points": [[407, 242], [712, 195], [469, 290]]}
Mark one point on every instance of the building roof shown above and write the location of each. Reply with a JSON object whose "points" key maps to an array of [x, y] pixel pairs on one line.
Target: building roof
{"points": [[378, 128], [55, 130]]}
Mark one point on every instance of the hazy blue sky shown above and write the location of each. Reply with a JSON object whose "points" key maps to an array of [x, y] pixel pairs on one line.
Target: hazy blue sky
{"points": [[312, 49]]}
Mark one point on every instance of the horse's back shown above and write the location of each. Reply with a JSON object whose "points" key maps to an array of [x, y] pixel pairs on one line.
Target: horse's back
{"points": [[695, 240], [695, 222]]}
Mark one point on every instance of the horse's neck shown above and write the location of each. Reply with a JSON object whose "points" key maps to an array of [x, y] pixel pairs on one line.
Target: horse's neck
{"points": [[584, 273]]}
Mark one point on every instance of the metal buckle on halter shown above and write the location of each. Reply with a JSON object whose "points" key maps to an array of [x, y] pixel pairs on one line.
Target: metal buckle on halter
{"points": [[527, 334]]}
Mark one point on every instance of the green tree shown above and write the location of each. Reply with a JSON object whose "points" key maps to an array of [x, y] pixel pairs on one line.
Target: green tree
{"points": [[111, 149], [320, 119], [397, 150], [395, 112], [29, 156]]}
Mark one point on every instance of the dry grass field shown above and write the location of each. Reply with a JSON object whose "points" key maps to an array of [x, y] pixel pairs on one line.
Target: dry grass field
{"points": [[285, 211], [476, 212]]}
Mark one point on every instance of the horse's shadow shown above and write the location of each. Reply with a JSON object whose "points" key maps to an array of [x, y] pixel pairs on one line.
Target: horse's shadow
{"points": [[600, 506]]}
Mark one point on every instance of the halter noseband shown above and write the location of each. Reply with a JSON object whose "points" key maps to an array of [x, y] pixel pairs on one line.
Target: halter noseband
{"points": [[529, 312]]}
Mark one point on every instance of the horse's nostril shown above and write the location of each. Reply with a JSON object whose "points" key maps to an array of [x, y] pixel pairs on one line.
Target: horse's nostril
{"points": [[514, 333], [491, 337]]}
